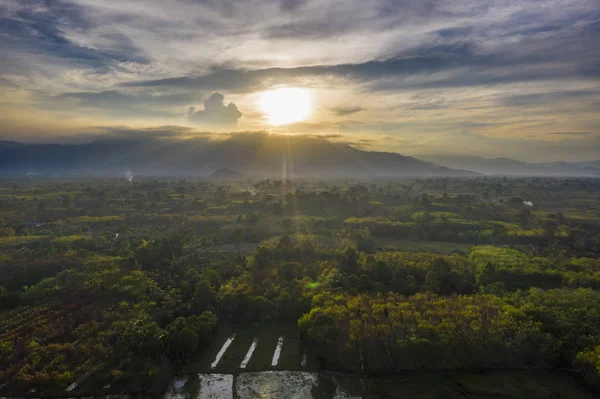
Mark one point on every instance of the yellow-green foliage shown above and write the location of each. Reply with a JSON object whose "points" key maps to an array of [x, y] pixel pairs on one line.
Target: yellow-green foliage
{"points": [[213, 219], [585, 264], [583, 215], [422, 329], [420, 260], [96, 219], [515, 230], [219, 209], [423, 216], [318, 242], [367, 221], [15, 241], [507, 258], [589, 363]]}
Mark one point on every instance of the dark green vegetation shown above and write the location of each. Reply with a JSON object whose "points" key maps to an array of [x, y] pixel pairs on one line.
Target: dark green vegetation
{"points": [[127, 283]]}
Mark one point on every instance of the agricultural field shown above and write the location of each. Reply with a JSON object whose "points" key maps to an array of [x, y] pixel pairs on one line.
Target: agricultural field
{"points": [[264, 341], [177, 288]]}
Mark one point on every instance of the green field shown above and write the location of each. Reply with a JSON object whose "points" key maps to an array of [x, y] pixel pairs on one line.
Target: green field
{"points": [[267, 335]]}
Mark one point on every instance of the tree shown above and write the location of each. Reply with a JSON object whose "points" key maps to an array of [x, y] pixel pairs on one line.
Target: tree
{"points": [[288, 271], [141, 337], [431, 283], [424, 202], [285, 243], [260, 259], [550, 229], [203, 295], [384, 273], [349, 261], [184, 344], [187, 335]]}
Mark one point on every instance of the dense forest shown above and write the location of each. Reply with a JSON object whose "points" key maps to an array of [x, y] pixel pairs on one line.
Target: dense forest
{"points": [[121, 282]]}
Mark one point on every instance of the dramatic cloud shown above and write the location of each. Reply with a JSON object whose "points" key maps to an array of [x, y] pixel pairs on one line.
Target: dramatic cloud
{"points": [[421, 70], [215, 113]]}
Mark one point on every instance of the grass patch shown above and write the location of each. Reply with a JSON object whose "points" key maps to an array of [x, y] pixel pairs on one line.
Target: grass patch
{"points": [[290, 359]]}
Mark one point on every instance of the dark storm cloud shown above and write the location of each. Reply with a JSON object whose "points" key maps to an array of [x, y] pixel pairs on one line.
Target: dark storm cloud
{"points": [[215, 112]]}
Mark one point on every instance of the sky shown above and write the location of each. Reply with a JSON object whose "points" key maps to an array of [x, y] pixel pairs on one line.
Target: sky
{"points": [[492, 78]]}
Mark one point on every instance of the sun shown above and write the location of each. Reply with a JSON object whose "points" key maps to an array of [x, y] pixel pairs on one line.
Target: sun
{"points": [[286, 105]]}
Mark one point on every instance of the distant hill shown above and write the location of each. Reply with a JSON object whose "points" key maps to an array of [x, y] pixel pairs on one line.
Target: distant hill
{"points": [[511, 167], [253, 153]]}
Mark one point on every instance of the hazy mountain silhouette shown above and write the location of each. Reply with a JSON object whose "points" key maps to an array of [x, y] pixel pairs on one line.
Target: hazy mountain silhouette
{"points": [[251, 153], [511, 167], [226, 174]]}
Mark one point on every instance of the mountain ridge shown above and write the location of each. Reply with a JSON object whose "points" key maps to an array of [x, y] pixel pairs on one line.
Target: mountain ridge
{"points": [[511, 167], [253, 153]]}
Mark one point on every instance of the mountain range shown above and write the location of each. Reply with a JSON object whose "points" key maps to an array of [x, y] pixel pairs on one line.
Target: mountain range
{"points": [[511, 167], [258, 154]]}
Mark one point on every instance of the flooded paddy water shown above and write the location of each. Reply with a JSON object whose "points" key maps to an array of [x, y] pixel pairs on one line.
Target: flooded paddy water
{"points": [[304, 384], [269, 361]]}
